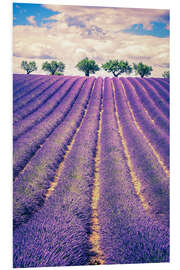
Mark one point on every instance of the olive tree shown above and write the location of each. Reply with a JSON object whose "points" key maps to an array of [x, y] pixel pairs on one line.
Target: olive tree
{"points": [[87, 66], [142, 69], [166, 74], [117, 67], [54, 67], [29, 67]]}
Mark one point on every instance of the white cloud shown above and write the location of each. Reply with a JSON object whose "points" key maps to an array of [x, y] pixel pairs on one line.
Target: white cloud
{"points": [[31, 20], [119, 18]]}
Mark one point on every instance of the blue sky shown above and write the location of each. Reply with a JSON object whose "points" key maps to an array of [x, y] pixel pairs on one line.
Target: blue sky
{"points": [[158, 30], [70, 33], [22, 11]]}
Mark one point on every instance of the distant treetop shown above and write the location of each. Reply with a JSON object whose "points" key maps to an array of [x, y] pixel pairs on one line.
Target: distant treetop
{"points": [[142, 69], [54, 67], [117, 67], [87, 66], [29, 67], [166, 74]]}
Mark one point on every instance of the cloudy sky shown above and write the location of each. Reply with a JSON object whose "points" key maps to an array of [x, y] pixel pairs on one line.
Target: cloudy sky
{"points": [[70, 33]]}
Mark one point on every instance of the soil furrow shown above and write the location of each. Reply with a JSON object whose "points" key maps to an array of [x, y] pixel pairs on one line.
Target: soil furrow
{"points": [[135, 180], [69, 147], [98, 258]]}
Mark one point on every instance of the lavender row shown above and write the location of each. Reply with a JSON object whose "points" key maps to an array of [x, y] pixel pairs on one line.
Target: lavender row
{"points": [[155, 113], [147, 167], [164, 83], [158, 139], [57, 93], [26, 91], [159, 90], [19, 79], [36, 103], [27, 87], [32, 96], [127, 234], [32, 102], [26, 145], [34, 111], [32, 183], [65, 216], [153, 96]]}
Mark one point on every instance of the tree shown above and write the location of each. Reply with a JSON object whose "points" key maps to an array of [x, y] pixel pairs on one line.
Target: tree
{"points": [[29, 67], [166, 74], [117, 67], [142, 69], [53, 67], [87, 66]]}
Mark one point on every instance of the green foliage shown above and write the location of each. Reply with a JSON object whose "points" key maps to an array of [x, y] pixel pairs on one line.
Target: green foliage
{"points": [[117, 67], [142, 69], [166, 74], [53, 67], [87, 66], [29, 67], [58, 73]]}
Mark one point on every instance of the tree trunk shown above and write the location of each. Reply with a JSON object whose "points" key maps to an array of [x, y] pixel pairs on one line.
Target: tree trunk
{"points": [[87, 73], [115, 75]]}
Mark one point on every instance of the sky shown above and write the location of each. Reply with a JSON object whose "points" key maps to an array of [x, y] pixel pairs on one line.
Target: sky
{"points": [[43, 32]]}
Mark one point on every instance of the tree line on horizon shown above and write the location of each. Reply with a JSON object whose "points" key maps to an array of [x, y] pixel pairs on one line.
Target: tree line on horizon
{"points": [[88, 66]]}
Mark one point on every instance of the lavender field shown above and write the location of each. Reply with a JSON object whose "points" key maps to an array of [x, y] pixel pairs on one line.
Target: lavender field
{"points": [[91, 170]]}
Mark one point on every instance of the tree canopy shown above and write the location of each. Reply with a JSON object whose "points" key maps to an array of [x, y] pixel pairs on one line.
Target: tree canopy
{"points": [[53, 67], [166, 74], [117, 67], [29, 67], [142, 69], [87, 66]]}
